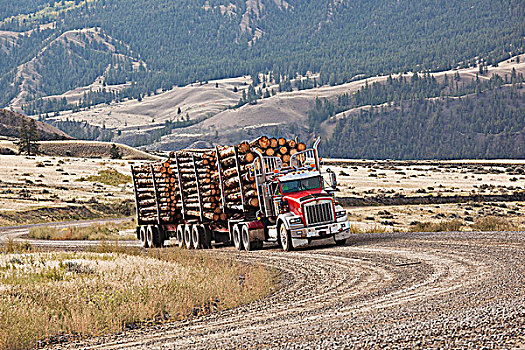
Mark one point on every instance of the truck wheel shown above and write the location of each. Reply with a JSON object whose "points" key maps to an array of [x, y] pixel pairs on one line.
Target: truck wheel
{"points": [[149, 236], [245, 238], [187, 236], [206, 242], [158, 236], [285, 238], [143, 236], [196, 236], [237, 237], [247, 244], [180, 235]]}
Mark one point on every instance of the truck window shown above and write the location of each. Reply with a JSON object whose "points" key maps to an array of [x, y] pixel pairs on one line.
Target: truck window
{"points": [[301, 185], [276, 190]]}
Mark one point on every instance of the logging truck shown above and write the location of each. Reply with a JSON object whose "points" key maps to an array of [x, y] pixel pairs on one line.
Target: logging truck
{"points": [[267, 190]]}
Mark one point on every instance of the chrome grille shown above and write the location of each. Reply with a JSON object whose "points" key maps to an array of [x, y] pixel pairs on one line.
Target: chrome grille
{"points": [[319, 213]]}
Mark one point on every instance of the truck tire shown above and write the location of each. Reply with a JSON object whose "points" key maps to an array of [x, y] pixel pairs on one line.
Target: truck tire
{"points": [[206, 242], [180, 235], [149, 236], [158, 236], [197, 234], [143, 236], [237, 242], [245, 238], [247, 244], [187, 236], [285, 238]]}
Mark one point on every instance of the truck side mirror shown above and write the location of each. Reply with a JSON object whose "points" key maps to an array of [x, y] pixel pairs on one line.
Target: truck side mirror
{"points": [[333, 178]]}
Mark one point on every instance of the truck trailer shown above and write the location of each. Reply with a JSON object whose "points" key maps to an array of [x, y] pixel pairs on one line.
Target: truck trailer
{"points": [[267, 190]]}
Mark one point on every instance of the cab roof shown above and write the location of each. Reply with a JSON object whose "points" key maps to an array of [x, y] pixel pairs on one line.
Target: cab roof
{"points": [[298, 175]]}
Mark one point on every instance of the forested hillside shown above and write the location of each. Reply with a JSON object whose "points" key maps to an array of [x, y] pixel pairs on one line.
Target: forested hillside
{"points": [[196, 40], [486, 121]]}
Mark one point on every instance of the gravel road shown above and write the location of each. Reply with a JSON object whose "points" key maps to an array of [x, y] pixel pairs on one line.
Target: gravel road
{"points": [[389, 291], [19, 233]]}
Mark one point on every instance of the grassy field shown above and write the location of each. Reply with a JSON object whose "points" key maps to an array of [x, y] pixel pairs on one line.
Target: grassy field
{"points": [[50, 189], [49, 296], [107, 231]]}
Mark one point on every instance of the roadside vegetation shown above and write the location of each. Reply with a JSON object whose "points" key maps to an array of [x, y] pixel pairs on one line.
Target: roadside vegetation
{"points": [[489, 223], [441, 226], [45, 297], [107, 231], [79, 211]]}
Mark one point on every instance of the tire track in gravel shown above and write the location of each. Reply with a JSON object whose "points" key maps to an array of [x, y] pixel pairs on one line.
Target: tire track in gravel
{"points": [[330, 293]]}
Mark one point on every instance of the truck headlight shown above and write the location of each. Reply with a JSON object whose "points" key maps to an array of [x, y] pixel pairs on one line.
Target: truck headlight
{"points": [[296, 221], [339, 214]]}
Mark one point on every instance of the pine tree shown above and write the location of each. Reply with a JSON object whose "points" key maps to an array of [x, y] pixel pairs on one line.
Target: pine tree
{"points": [[115, 152], [28, 137]]}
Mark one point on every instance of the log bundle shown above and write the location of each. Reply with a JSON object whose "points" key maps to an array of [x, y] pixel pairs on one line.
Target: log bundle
{"points": [[160, 199], [237, 172], [275, 147], [187, 185], [195, 169]]}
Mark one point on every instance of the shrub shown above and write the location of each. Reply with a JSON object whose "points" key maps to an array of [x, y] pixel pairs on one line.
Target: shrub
{"points": [[493, 223], [115, 152], [109, 177], [441, 226]]}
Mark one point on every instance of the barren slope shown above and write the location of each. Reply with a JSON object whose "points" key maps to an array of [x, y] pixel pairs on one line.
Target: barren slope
{"points": [[10, 123], [286, 111]]}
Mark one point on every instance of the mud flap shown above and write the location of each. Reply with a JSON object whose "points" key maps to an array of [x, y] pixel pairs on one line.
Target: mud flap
{"points": [[299, 242]]}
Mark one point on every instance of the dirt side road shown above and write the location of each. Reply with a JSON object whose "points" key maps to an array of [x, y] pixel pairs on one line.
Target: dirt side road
{"points": [[19, 233], [442, 290]]}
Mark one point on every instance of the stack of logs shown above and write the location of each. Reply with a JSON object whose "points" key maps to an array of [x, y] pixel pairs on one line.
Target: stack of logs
{"points": [[281, 148], [196, 170], [166, 190], [273, 147]]}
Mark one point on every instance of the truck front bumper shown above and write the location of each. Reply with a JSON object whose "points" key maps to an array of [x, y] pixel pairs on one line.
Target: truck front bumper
{"points": [[302, 236]]}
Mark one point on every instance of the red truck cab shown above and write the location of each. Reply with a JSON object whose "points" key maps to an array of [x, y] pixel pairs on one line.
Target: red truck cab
{"points": [[298, 203]]}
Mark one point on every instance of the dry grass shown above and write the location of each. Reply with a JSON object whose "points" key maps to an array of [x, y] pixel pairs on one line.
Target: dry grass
{"points": [[108, 177], [489, 223], [44, 295], [441, 226], [107, 231], [15, 247], [494, 223]]}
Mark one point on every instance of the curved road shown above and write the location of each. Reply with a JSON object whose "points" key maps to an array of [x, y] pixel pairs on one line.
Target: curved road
{"points": [[394, 291]]}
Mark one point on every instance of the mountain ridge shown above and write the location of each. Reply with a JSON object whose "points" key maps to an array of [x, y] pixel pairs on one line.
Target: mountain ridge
{"points": [[214, 39]]}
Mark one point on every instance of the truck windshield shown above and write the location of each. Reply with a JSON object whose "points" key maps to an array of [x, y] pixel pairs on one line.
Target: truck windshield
{"points": [[301, 185]]}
